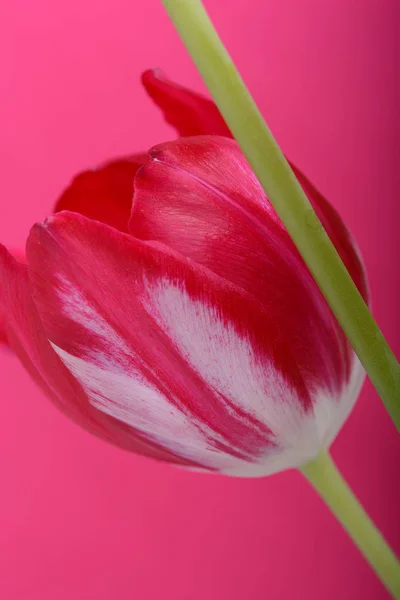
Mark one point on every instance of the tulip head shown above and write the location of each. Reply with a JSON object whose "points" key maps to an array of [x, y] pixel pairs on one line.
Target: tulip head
{"points": [[184, 326]]}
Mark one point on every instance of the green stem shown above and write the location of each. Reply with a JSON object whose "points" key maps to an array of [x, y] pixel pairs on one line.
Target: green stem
{"points": [[329, 483], [276, 177]]}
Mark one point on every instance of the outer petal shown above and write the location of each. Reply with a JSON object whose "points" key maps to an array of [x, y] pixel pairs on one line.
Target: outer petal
{"points": [[189, 112], [28, 340], [184, 358], [104, 194], [3, 334], [200, 197]]}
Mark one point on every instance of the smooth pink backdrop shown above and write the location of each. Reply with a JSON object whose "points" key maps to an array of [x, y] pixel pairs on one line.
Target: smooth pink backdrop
{"points": [[80, 519]]}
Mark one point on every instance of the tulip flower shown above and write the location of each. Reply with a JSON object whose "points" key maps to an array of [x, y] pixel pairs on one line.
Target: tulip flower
{"points": [[165, 308], [184, 326]]}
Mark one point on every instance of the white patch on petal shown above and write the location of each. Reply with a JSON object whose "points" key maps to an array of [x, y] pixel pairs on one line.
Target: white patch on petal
{"points": [[130, 399], [75, 306], [316, 430], [222, 358], [227, 362], [117, 389], [331, 413]]}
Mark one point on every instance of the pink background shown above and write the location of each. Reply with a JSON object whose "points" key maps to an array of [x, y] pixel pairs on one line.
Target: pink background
{"points": [[80, 519]]}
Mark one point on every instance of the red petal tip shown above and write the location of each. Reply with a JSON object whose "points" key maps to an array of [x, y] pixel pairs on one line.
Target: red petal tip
{"points": [[154, 72]]}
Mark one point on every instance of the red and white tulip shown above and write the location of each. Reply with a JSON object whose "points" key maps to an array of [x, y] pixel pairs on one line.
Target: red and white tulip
{"points": [[184, 325]]}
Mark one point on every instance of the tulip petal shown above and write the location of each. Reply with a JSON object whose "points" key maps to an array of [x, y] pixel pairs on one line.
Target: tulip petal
{"points": [[188, 112], [104, 194], [27, 338], [182, 357], [3, 333], [23, 325], [200, 197]]}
